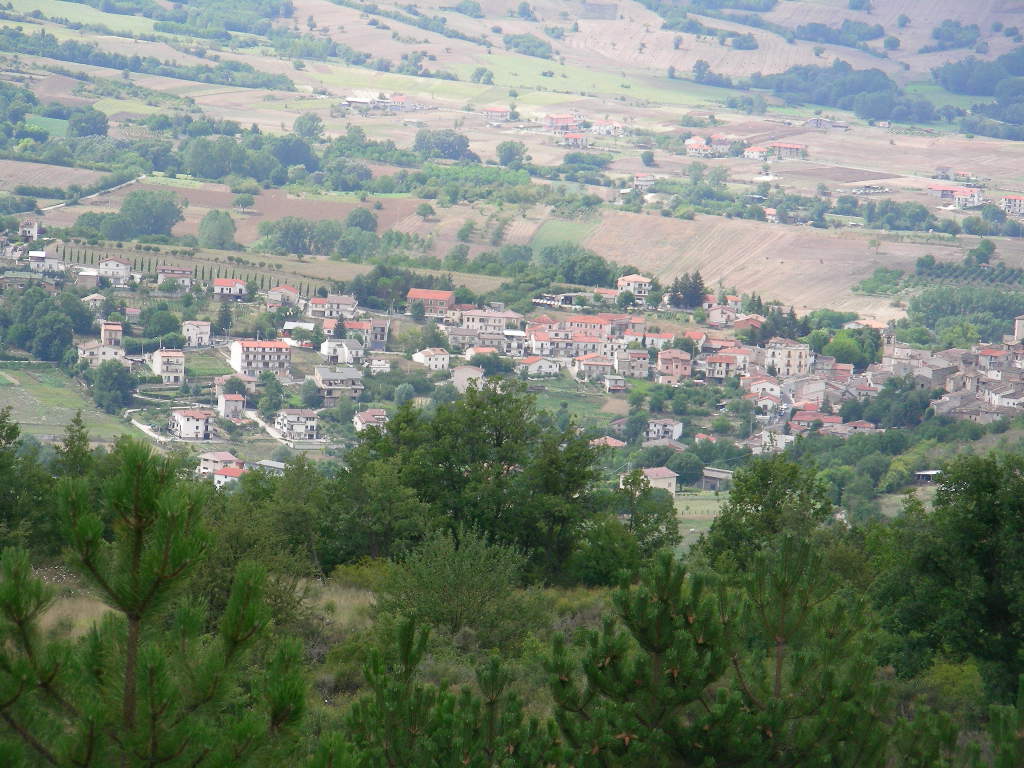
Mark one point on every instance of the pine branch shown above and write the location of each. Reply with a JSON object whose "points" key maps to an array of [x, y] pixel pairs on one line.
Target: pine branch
{"points": [[28, 738]]}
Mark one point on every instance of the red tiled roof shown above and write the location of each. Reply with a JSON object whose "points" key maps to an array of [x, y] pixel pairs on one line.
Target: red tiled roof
{"points": [[609, 442], [227, 282], [426, 293], [659, 473], [230, 472]]}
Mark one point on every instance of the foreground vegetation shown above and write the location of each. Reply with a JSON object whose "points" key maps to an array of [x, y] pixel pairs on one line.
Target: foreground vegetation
{"points": [[785, 637]]}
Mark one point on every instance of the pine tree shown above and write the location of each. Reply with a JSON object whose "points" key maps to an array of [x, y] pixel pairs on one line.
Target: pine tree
{"points": [[148, 685], [773, 671], [74, 455], [402, 722]]}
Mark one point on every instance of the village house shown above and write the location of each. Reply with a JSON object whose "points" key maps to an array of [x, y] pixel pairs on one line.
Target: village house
{"points": [[377, 365], [111, 334], [169, 365], [787, 357], [94, 353], [497, 114], [784, 150], [771, 215], [807, 419], [296, 424], [697, 146], [214, 460], [715, 479], [434, 358], [464, 375], [229, 288], [606, 128], [632, 363], [961, 197], [94, 301], [722, 143], [721, 367], [197, 333], [673, 366], [1013, 205], [607, 442], [374, 417], [435, 303], [491, 320], [663, 429], [614, 383], [275, 468], [575, 140], [638, 285], [334, 384], [537, 366], [190, 424], [659, 477], [756, 153], [182, 277], [333, 305], [41, 261], [230, 406], [592, 367], [284, 295], [254, 357], [115, 269], [227, 476], [132, 314], [561, 124], [720, 315], [347, 351]]}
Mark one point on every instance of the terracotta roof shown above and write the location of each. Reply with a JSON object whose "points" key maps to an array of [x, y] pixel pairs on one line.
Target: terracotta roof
{"points": [[609, 442], [234, 397], [426, 293], [227, 282], [194, 414], [659, 473], [230, 472]]}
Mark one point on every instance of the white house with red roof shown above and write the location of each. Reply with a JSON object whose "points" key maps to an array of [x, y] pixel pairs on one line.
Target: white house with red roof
{"points": [[537, 366], [372, 417], [190, 423], [497, 114], [229, 288], [697, 146], [638, 285], [433, 358], [227, 476], [756, 153], [592, 367], [252, 357], [214, 460], [1013, 204]]}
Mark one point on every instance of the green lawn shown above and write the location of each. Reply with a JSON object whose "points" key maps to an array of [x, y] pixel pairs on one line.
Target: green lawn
{"points": [[43, 400], [696, 513], [556, 231], [52, 125], [206, 363], [86, 15]]}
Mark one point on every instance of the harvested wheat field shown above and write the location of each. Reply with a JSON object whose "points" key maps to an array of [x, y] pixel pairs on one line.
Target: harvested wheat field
{"points": [[14, 172]]}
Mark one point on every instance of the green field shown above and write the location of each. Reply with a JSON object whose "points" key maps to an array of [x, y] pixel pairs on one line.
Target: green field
{"points": [[43, 400], [85, 14], [52, 125], [206, 363], [133, 106], [556, 231], [584, 401], [938, 95]]}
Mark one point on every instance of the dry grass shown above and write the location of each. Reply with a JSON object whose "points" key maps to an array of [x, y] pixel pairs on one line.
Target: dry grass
{"points": [[74, 614]]}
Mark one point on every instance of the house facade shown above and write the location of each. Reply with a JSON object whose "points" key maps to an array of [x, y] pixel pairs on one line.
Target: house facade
{"points": [[230, 406], [197, 333], [169, 365], [336, 383], [434, 358], [253, 357], [435, 303], [190, 424], [183, 277], [373, 417], [115, 269], [297, 424], [229, 288]]}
